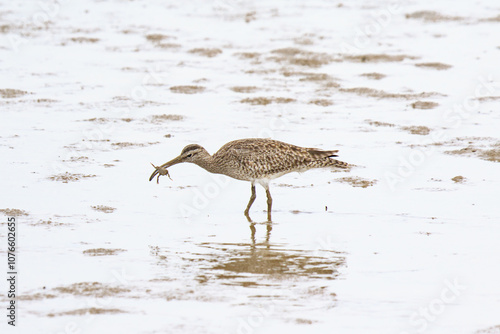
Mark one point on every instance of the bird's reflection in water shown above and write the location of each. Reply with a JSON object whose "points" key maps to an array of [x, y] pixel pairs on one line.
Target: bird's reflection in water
{"points": [[269, 228], [235, 263]]}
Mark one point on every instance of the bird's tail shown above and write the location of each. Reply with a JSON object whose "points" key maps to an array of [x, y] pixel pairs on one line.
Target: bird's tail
{"points": [[329, 162], [325, 159]]}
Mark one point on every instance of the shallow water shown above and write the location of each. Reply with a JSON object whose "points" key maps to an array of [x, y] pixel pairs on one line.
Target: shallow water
{"points": [[91, 93]]}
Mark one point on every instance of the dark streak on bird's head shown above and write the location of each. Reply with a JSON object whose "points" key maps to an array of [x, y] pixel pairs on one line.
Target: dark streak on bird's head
{"points": [[191, 152]]}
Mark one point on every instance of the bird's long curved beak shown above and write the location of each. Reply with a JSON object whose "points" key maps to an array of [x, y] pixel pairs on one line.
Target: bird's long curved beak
{"points": [[172, 162]]}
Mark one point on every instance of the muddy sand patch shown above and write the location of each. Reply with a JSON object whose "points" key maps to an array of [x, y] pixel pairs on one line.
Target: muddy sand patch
{"points": [[485, 148], [424, 105], [244, 89], [189, 89], [459, 179], [294, 56], [84, 40], [492, 19], [103, 208], [122, 145], [9, 93], [417, 130], [488, 98], [166, 118], [91, 289], [36, 296], [267, 100], [308, 76], [70, 177], [356, 181], [321, 102], [432, 16], [48, 223], [434, 65], [373, 75], [45, 101], [247, 55], [488, 154], [86, 311], [13, 212], [206, 52], [378, 123], [380, 94], [376, 58], [103, 251], [490, 330], [158, 41], [100, 120], [156, 38]]}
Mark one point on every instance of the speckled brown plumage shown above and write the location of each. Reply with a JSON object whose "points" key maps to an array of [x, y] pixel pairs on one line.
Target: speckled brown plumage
{"points": [[256, 160], [253, 159]]}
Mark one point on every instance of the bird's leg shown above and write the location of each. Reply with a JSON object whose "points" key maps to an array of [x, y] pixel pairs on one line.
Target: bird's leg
{"points": [[250, 202], [269, 203]]}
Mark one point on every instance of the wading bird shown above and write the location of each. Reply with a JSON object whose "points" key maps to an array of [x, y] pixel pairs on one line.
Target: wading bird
{"points": [[255, 160]]}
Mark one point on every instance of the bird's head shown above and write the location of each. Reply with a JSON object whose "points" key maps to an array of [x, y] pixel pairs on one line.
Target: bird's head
{"points": [[192, 153]]}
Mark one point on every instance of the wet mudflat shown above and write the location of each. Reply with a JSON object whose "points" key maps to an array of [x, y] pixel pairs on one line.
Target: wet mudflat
{"points": [[91, 93]]}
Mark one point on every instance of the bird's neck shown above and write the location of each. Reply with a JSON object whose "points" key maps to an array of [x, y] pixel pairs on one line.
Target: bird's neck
{"points": [[208, 163]]}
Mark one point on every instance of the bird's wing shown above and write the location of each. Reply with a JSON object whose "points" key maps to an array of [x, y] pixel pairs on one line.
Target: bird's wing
{"points": [[270, 157]]}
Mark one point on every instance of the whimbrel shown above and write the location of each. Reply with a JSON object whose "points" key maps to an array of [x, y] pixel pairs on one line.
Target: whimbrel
{"points": [[255, 160]]}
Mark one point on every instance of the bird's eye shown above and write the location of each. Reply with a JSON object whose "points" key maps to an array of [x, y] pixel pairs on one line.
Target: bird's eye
{"points": [[189, 155]]}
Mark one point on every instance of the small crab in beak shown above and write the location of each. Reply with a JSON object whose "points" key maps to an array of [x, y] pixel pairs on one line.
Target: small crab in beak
{"points": [[160, 170]]}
